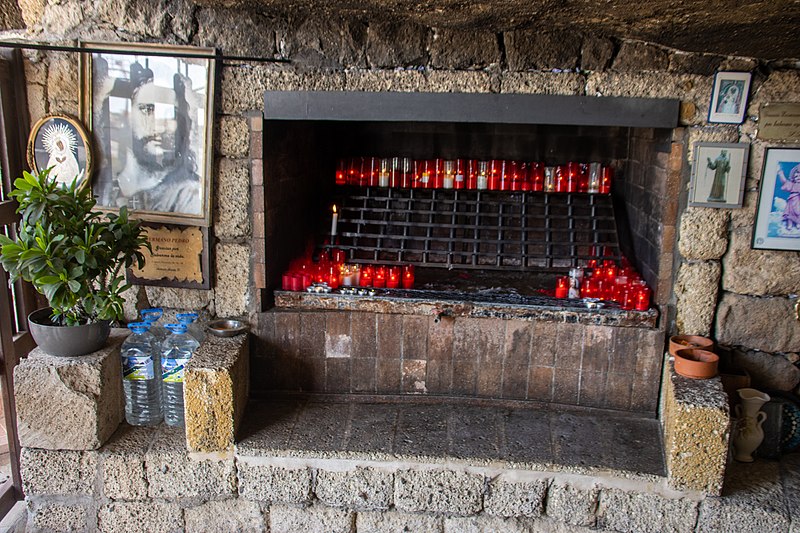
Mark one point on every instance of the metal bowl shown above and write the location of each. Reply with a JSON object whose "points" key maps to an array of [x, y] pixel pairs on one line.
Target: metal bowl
{"points": [[226, 327]]}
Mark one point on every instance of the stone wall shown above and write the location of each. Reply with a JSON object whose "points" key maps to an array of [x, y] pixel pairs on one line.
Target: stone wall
{"points": [[143, 479], [723, 289]]}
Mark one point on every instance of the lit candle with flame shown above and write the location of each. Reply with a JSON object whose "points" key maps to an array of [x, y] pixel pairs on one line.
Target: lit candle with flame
{"points": [[334, 222]]}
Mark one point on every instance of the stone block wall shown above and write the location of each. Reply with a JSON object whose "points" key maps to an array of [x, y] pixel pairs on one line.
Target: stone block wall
{"points": [[652, 173], [376, 353], [144, 480]]}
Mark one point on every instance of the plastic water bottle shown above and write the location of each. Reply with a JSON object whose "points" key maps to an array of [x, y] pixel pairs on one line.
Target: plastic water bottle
{"points": [[151, 317], [140, 377], [192, 327], [175, 353]]}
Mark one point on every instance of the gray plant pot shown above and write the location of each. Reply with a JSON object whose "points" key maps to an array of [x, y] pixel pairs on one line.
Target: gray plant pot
{"points": [[66, 341]]}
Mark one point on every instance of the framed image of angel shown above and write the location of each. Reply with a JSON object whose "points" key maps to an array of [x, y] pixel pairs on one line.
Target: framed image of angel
{"points": [[777, 224], [61, 143], [150, 111]]}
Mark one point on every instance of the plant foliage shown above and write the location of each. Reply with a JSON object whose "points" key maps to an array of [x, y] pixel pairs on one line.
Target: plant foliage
{"points": [[74, 256]]}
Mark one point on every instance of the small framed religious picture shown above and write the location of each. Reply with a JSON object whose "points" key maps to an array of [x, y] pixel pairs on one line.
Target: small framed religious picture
{"points": [[777, 224], [729, 97], [61, 143], [150, 109], [718, 174]]}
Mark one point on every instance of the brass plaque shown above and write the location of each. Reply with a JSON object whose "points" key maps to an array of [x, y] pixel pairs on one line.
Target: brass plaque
{"points": [[779, 122], [175, 256]]}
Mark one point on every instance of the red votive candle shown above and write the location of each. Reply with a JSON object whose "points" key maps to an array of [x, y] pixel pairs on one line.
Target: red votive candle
{"points": [[536, 176], [306, 277], [472, 174], [393, 278], [408, 276], [341, 172], [583, 177], [338, 255], [354, 171], [379, 281], [437, 174], [497, 175], [562, 287], [610, 271], [642, 299], [286, 282], [560, 184], [589, 288], [461, 174], [425, 174], [627, 297], [573, 176], [367, 275], [297, 282], [606, 175], [370, 171], [334, 275], [405, 173]]}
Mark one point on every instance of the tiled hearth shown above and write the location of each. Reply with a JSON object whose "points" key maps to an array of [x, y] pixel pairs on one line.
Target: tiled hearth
{"points": [[376, 353]]}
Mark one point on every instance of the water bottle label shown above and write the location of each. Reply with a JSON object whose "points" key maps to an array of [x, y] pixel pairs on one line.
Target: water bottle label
{"points": [[137, 368], [172, 371]]}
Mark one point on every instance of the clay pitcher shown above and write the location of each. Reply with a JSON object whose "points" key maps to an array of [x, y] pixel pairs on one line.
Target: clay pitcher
{"points": [[749, 434]]}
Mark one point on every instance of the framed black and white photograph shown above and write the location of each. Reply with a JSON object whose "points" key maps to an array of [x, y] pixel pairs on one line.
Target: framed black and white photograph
{"points": [[61, 143], [729, 97], [718, 174], [150, 111], [777, 224]]}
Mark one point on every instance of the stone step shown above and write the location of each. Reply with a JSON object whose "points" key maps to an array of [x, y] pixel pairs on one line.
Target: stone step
{"points": [[508, 434]]}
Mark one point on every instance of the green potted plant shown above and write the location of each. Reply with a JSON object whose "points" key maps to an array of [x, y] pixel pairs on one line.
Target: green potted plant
{"points": [[75, 257]]}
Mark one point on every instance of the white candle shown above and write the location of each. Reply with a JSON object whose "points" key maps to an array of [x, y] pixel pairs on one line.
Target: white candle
{"points": [[334, 221]]}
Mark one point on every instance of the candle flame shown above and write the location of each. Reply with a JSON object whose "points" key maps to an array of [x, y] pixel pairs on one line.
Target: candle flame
{"points": [[334, 208]]}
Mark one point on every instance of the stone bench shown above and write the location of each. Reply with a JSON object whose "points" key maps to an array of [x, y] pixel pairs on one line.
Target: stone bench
{"points": [[696, 424], [77, 403]]}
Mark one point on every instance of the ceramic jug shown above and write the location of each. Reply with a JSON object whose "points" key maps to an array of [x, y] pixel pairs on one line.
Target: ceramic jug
{"points": [[749, 434]]}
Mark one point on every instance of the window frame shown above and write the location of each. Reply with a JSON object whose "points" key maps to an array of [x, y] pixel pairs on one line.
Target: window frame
{"points": [[14, 344]]}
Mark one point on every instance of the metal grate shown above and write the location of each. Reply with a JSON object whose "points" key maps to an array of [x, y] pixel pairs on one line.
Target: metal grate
{"points": [[476, 229]]}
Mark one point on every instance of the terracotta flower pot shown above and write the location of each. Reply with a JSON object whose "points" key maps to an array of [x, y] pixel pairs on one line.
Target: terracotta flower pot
{"points": [[680, 342], [696, 363]]}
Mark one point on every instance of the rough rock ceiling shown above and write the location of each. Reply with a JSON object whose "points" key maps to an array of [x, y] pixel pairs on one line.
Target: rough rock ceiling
{"points": [[766, 29]]}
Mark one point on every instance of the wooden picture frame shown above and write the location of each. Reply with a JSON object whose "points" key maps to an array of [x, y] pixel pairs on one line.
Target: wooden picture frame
{"points": [[777, 225], [718, 174], [61, 143], [150, 109], [729, 97]]}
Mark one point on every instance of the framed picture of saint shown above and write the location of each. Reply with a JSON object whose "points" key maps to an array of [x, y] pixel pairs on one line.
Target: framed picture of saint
{"points": [[729, 97], [150, 111], [718, 174], [777, 224], [61, 143]]}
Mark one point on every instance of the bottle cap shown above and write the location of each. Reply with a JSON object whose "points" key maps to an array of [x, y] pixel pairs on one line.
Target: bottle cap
{"points": [[138, 327], [186, 318], [176, 328], [152, 314]]}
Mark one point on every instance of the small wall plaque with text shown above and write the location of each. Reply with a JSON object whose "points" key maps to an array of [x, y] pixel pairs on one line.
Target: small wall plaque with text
{"points": [[779, 122], [179, 258]]}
